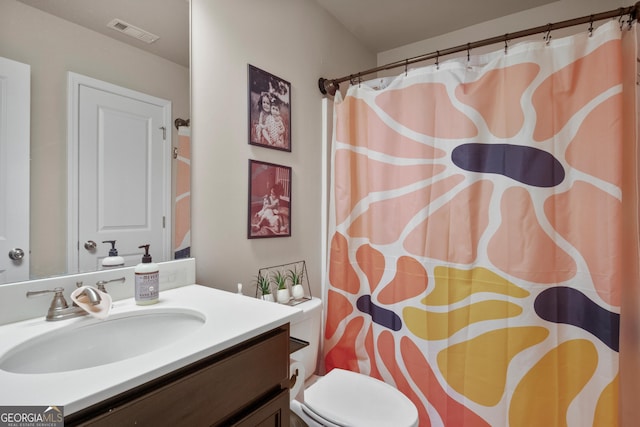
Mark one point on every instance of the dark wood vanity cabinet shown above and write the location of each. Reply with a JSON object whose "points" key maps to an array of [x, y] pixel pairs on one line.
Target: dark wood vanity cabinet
{"points": [[246, 385]]}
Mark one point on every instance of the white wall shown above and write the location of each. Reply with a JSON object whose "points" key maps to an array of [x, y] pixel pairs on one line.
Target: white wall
{"points": [[299, 42], [53, 46], [554, 12]]}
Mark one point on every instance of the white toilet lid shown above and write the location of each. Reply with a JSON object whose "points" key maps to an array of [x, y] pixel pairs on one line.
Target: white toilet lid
{"points": [[347, 398]]}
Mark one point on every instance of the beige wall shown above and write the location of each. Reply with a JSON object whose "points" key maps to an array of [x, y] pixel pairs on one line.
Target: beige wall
{"points": [[299, 42], [52, 47]]}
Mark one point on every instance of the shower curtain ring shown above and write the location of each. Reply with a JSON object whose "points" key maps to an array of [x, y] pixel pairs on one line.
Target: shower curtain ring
{"points": [[406, 67], [547, 37], [437, 59], [506, 43], [620, 21], [591, 26], [468, 52]]}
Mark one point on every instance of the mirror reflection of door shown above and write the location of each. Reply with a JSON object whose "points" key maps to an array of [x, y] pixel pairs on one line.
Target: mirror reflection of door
{"points": [[122, 158], [15, 104]]}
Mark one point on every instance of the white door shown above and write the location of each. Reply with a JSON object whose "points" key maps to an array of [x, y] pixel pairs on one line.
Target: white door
{"points": [[123, 173], [15, 102]]}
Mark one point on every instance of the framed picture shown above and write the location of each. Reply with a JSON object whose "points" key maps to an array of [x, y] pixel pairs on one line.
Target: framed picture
{"points": [[269, 110], [269, 200]]}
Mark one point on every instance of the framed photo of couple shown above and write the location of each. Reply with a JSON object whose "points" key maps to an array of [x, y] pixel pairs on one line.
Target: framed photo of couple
{"points": [[269, 110], [269, 200]]}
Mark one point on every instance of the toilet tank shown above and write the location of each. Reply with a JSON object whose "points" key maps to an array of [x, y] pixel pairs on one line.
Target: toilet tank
{"points": [[307, 328]]}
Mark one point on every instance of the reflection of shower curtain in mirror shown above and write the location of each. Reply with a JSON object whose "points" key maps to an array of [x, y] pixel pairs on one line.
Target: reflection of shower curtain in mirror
{"points": [[182, 233], [484, 233]]}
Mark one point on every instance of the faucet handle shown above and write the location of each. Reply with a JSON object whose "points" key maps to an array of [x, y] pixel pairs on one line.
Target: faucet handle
{"points": [[100, 284], [58, 301]]}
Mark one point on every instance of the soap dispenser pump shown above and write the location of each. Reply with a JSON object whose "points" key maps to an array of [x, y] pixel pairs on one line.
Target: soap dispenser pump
{"points": [[147, 279], [113, 260]]}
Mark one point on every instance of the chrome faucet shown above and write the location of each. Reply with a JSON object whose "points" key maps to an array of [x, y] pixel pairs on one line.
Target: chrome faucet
{"points": [[59, 308], [92, 295]]}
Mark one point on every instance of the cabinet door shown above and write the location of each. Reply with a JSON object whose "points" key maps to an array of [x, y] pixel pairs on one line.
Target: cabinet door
{"points": [[228, 389], [274, 413]]}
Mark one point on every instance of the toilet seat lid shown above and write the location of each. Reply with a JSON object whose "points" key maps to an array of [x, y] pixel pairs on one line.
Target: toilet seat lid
{"points": [[347, 398]]}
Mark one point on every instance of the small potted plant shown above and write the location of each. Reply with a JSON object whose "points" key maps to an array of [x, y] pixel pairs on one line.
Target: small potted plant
{"points": [[280, 280], [297, 290], [264, 286]]}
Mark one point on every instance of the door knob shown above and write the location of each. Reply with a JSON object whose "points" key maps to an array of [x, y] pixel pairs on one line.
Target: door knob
{"points": [[90, 245], [16, 254]]}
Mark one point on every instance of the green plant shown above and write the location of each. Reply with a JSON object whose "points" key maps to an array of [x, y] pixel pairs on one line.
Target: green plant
{"points": [[295, 276], [279, 279], [262, 282]]}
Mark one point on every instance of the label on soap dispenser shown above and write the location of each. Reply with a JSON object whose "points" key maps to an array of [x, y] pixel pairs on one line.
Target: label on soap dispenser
{"points": [[147, 287]]}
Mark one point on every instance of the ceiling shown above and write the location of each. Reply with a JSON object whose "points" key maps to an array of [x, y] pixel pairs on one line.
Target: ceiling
{"points": [[386, 24], [168, 19], [379, 24]]}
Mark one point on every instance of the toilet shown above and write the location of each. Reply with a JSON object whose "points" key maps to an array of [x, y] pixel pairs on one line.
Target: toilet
{"points": [[342, 398]]}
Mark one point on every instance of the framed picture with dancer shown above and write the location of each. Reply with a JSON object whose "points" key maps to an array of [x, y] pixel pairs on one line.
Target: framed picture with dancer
{"points": [[269, 110], [269, 209]]}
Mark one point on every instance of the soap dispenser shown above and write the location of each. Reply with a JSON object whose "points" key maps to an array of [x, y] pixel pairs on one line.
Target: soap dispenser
{"points": [[113, 260], [147, 279]]}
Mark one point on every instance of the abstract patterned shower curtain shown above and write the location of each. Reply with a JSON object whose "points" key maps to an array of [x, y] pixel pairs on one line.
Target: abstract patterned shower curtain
{"points": [[182, 230], [484, 229]]}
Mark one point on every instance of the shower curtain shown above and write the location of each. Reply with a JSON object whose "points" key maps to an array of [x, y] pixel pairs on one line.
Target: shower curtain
{"points": [[182, 230], [484, 232]]}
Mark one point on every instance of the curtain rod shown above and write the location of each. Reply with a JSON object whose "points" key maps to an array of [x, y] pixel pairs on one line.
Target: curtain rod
{"points": [[330, 86]]}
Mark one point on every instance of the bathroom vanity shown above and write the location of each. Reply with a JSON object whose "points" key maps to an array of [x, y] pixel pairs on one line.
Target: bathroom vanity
{"points": [[201, 356], [245, 385]]}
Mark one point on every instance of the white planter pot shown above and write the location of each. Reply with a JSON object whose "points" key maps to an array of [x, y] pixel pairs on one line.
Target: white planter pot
{"points": [[268, 297], [283, 296], [297, 291]]}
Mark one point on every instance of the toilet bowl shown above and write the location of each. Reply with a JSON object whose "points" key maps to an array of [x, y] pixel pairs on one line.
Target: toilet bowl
{"points": [[342, 398]]}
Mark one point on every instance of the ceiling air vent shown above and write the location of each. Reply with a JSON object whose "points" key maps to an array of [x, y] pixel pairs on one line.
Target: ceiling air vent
{"points": [[133, 31]]}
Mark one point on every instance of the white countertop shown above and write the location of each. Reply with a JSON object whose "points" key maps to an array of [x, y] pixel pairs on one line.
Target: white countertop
{"points": [[229, 320]]}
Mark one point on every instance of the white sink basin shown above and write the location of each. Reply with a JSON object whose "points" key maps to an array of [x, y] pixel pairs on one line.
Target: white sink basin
{"points": [[82, 361], [91, 342]]}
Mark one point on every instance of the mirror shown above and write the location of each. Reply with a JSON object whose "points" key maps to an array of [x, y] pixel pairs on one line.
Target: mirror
{"points": [[53, 46]]}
